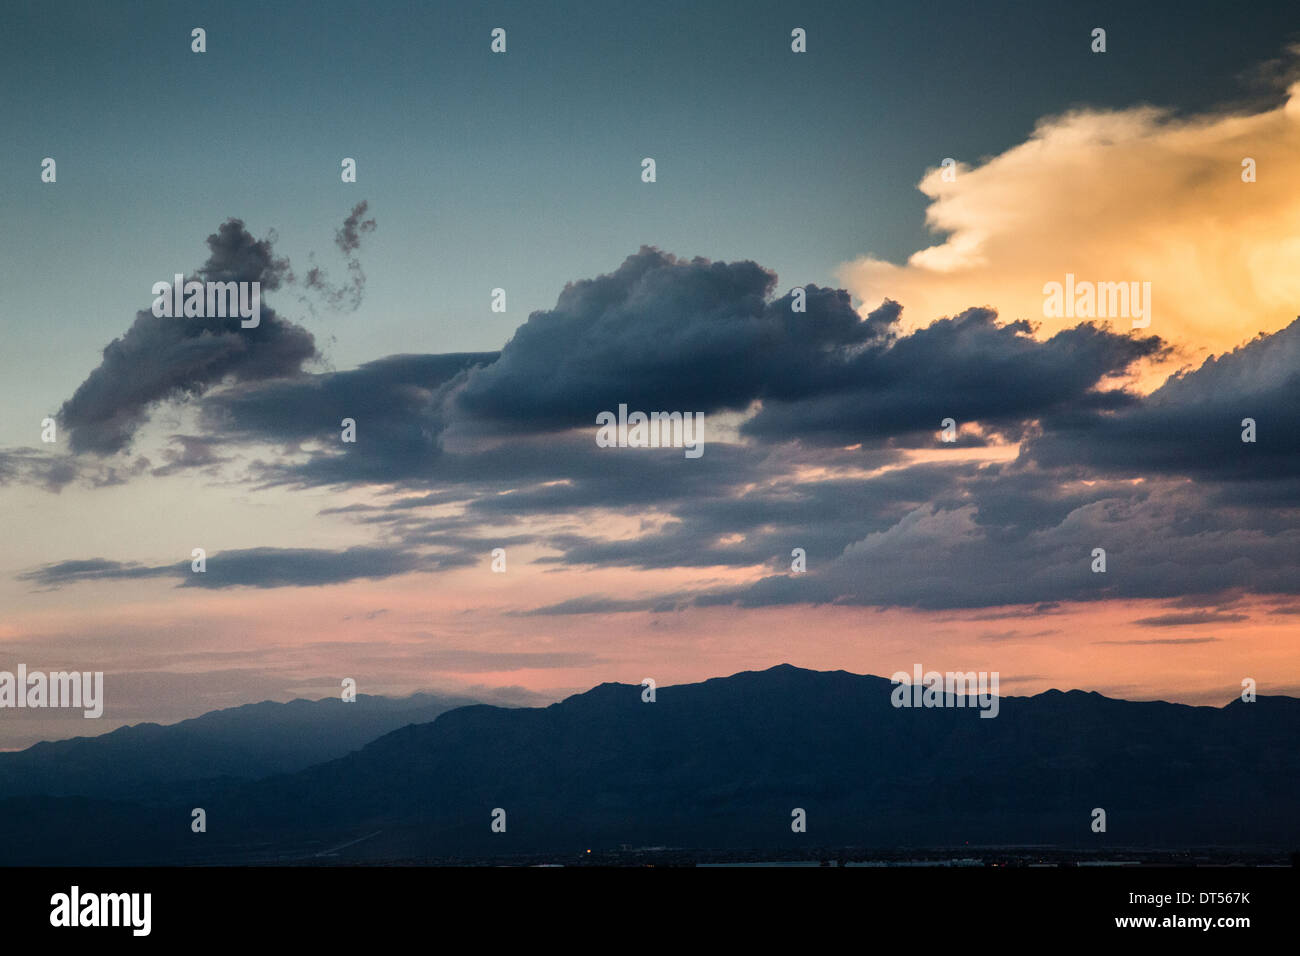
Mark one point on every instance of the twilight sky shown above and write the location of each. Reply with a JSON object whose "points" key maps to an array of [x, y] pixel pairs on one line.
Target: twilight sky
{"points": [[475, 428]]}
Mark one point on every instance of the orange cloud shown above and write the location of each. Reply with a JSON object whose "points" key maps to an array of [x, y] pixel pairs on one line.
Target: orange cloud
{"points": [[1134, 195]]}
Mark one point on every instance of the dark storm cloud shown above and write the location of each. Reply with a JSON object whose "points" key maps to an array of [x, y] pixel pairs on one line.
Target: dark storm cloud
{"points": [[1010, 501], [396, 402], [1159, 540], [559, 475], [257, 568], [822, 517], [700, 505], [536, 474], [503, 445], [235, 256], [160, 358], [1192, 425], [668, 333], [968, 368], [1162, 541], [662, 333]]}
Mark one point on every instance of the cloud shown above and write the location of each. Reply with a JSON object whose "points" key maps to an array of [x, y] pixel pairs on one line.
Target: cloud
{"points": [[1161, 541], [397, 403], [969, 368], [1167, 640], [256, 567], [1127, 195], [1191, 618], [54, 471], [310, 567], [757, 522], [1192, 425], [93, 569], [663, 333], [27, 466], [348, 240], [827, 443], [398, 391], [189, 451], [597, 605], [161, 358]]}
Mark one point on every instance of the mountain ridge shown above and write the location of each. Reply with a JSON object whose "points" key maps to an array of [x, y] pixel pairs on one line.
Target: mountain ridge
{"points": [[141, 761], [724, 763]]}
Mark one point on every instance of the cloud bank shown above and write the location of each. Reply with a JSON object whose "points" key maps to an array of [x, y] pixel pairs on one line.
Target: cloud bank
{"points": [[1124, 195]]}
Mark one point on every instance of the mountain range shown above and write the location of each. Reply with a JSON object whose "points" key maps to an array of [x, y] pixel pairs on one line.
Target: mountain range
{"points": [[149, 762], [720, 764]]}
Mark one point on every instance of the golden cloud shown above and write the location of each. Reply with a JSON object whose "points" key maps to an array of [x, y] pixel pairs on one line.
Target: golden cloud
{"points": [[1130, 196]]}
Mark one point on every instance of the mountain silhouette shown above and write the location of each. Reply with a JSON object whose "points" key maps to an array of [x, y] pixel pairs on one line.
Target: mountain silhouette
{"points": [[151, 762], [723, 763]]}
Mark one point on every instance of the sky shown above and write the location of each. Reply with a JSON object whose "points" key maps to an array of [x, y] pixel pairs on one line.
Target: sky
{"points": [[821, 171]]}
